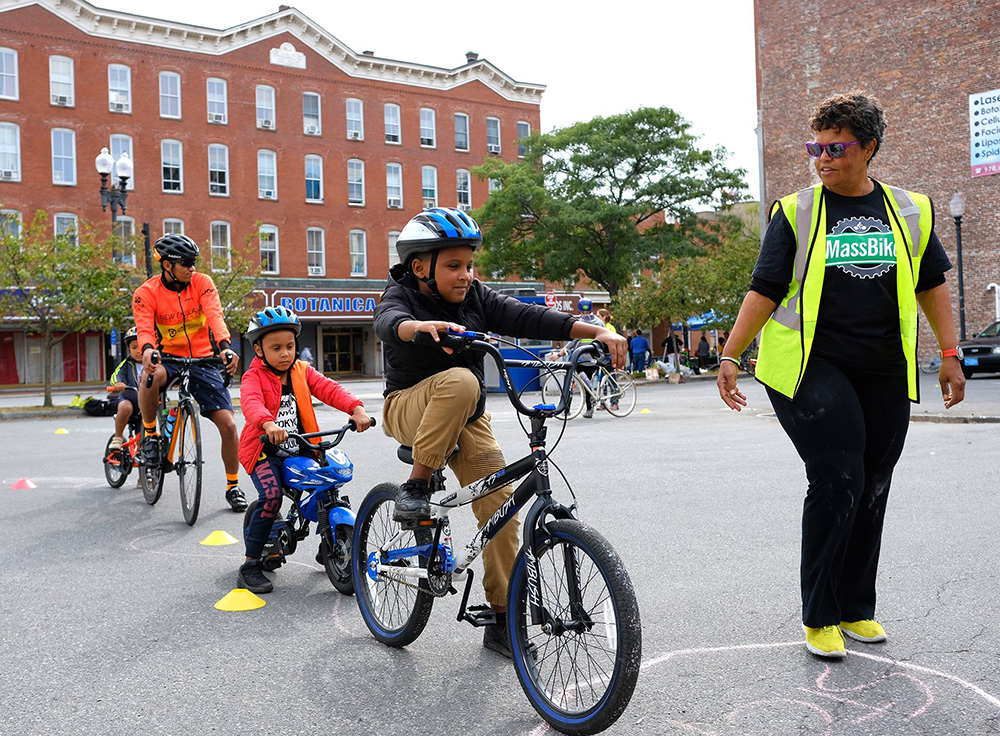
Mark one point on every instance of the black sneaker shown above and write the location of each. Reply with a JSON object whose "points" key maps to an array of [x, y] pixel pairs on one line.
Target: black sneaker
{"points": [[252, 577], [237, 501], [412, 501], [149, 451], [496, 638]]}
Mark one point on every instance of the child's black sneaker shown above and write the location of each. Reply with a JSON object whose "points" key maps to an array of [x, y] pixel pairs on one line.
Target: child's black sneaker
{"points": [[495, 636], [412, 501], [252, 577]]}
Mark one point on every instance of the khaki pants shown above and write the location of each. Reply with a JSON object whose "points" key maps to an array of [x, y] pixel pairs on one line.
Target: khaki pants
{"points": [[431, 417]]}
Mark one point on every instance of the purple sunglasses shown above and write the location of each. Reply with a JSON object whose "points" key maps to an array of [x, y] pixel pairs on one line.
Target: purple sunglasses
{"points": [[836, 150]]}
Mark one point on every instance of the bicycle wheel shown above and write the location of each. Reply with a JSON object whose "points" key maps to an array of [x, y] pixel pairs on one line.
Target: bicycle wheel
{"points": [[151, 480], [395, 612], [188, 463], [552, 386], [579, 669], [115, 465], [617, 391], [337, 561], [930, 363]]}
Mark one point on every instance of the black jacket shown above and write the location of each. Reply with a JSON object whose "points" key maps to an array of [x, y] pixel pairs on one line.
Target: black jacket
{"points": [[483, 310]]}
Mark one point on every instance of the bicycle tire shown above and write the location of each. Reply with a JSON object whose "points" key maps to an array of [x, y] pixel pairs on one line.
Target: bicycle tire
{"points": [[930, 363], [396, 614], [552, 393], [546, 662], [620, 401], [115, 469], [151, 480], [188, 465], [338, 561]]}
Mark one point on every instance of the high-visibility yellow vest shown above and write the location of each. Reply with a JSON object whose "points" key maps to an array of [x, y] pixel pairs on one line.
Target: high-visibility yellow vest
{"points": [[787, 338]]}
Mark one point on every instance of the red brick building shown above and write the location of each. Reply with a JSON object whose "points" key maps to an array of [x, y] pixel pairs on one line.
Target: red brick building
{"points": [[272, 121], [924, 61]]}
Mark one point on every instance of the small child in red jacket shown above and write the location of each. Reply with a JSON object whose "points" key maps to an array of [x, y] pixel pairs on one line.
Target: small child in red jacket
{"points": [[276, 397]]}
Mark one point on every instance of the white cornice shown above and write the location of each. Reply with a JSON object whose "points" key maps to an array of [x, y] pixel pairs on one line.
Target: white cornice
{"points": [[126, 27]]}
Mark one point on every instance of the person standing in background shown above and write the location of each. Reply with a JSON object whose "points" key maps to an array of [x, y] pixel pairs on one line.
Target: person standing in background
{"points": [[306, 355]]}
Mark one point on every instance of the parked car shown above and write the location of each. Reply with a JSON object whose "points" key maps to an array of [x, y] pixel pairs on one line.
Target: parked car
{"points": [[981, 354]]}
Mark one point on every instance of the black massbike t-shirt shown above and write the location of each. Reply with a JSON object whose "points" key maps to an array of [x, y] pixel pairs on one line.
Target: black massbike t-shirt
{"points": [[858, 321]]}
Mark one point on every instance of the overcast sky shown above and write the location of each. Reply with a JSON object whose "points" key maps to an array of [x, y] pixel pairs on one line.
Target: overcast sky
{"points": [[697, 57]]}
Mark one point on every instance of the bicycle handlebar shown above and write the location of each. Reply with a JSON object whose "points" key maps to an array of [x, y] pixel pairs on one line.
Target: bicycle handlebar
{"points": [[303, 439], [211, 360]]}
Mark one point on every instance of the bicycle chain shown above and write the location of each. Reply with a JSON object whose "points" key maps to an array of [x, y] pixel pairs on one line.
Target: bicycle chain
{"points": [[403, 581]]}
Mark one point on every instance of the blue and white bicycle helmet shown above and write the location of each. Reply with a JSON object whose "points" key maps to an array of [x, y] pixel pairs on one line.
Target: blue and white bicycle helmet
{"points": [[270, 319], [435, 229], [585, 306]]}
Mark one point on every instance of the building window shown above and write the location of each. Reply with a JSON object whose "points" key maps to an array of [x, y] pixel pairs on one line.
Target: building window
{"points": [[172, 165], [312, 122], [316, 251], [10, 224], [359, 253], [63, 157], [173, 226], [267, 175], [523, 131], [355, 181], [121, 143], [125, 230], [461, 131], [494, 186], [170, 95], [220, 246], [463, 186], [355, 120], [218, 169], [314, 179], [394, 186], [265, 107], [393, 253], [119, 88], [429, 181], [393, 129], [218, 105], [428, 128], [268, 248], [8, 74], [65, 227], [61, 81], [492, 135], [10, 152]]}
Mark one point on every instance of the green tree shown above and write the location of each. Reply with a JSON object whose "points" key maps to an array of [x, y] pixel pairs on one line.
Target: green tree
{"points": [[606, 198], [65, 284], [236, 280]]}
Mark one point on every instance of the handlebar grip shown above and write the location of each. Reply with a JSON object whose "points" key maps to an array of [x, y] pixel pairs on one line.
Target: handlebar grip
{"points": [[354, 425], [154, 358]]}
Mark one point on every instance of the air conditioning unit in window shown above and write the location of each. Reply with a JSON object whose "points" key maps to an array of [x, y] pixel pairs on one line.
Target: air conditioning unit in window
{"points": [[216, 117], [119, 107], [8, 174], [493, 148], [316, 270], [428, 203], [395, 203], [57, 176], [312, 130], [465, 207], [266, 124], [217, 189], [60, 100], [354, 135], [266, 193]]}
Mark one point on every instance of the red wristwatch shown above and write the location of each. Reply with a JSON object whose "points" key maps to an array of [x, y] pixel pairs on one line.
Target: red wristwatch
{"points": [[950, 353]]}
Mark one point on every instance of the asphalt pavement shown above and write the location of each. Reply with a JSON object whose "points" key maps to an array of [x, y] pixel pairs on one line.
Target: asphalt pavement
{"points": [[107, 621]]}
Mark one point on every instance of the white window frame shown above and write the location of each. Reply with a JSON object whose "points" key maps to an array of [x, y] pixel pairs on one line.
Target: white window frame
{"points": [[223, 187], [180, 166], [72, 156], [6, 125], [114, 97], [494, 185], [497, 145], [270, 230], [120, 222], [213, 115], [16, 95], [467, 205], [56, 92], [319, 114], [424, 171], [357, 165], [173, 221], [268, 108], [467, 132], [390, 185], [7, 216], [428, 123], [262, 155], [117, 150], [393, 253], [318, 269], [220, 226], [521, 149], [397, 123], [317, 159], [168, 95], [75, 224], [362, 252], [355, 119]]}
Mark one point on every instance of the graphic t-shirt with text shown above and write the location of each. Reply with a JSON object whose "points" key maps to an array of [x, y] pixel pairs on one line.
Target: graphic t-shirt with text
{"points": [[288, 418]]}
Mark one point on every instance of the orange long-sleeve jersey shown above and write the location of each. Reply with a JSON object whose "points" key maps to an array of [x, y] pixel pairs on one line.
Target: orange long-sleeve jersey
{"points": [[187, 323]]}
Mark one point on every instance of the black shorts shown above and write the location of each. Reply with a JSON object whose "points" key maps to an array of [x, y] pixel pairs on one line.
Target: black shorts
{"points": [[126, 399], [206, 387]]}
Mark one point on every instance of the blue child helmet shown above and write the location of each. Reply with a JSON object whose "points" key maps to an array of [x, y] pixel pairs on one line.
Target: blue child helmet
{"points": [[435, 229], [585, 306], [270, 319]]}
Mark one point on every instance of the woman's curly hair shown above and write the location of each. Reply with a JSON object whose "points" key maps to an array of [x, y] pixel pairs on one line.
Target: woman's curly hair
{"points": [[857, 111]]}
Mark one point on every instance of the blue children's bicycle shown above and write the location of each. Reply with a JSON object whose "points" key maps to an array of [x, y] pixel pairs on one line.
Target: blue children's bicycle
{"points": [[311, 480]]}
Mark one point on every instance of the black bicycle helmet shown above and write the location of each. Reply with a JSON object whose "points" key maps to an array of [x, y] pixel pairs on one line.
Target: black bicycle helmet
{"points": [[176, 247]]}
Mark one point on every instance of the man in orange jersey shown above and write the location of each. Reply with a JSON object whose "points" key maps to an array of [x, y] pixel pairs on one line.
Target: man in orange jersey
{"points": [[179, 313]]}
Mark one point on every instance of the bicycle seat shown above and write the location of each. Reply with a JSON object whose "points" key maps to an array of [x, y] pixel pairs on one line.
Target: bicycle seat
{"points": [[405, 454]]}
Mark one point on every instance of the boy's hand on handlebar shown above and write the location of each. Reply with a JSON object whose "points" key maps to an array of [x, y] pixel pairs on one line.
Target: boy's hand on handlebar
{"points": [[361, 419], [435, 328], [617, 347], [118, 387], [275, 434]]}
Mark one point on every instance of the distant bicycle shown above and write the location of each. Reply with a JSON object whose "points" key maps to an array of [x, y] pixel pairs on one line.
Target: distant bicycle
{"points": [[119, 463], [615, 390], [930, 363]]}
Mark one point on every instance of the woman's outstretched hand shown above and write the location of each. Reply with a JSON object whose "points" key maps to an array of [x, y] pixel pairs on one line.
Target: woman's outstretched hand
{"points": [[727, 386]]}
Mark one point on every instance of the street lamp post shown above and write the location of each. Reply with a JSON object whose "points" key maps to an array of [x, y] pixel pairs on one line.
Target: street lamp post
{"points": [[957, 206], [117, 196]]}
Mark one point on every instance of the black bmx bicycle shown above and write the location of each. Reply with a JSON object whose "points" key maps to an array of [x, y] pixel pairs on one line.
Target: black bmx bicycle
{"points": [[180, 436], [572, 614]]}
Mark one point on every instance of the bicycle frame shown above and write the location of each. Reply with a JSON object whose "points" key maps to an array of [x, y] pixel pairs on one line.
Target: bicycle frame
{"points": [[180, 382]]}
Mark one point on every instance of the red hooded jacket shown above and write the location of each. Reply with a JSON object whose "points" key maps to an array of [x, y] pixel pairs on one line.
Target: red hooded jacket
{"points": [[260, 399]]}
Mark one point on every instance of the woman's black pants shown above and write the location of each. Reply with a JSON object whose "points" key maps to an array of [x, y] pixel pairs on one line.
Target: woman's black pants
{"points": [[848, 427]]}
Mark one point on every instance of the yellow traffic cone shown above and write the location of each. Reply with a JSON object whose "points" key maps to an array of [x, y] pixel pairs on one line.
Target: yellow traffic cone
{"points": [[240, 599], [219, 539], [645, 411], [62, 430]]}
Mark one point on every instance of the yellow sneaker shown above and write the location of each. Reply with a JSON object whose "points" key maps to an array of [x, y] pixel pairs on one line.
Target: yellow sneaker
{"points": [[867, 630], [826, 641]]}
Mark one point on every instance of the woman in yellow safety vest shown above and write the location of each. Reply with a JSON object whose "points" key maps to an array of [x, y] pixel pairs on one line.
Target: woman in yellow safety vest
{"points": [[842, 267]]}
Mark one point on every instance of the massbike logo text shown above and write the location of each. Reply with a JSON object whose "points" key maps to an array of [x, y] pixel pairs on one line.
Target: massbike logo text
{"points": [[861, 246]]}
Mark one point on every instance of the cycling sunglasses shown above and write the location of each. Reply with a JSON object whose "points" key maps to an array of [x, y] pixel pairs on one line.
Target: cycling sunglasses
{"points": [[835, 150], [186, 262]]}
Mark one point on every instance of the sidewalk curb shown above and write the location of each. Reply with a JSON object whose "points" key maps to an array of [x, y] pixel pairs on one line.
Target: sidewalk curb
{"points": [[6, 414], [953, 419]]}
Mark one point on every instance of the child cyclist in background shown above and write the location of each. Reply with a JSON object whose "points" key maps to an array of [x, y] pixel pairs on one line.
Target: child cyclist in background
{"points": [[276, 398], [436, 399], [125, 380]]}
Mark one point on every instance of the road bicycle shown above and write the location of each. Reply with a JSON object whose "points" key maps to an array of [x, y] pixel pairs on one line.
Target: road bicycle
{"points": [[311, 480], [613, 389], [119, 463], [572, 615], [180, 436]]}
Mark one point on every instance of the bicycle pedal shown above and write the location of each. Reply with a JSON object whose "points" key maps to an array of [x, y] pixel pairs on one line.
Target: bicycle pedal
{"points": [[411, 524], [481, 615]]}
